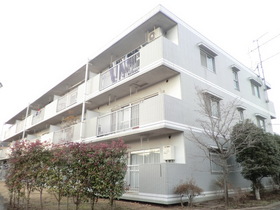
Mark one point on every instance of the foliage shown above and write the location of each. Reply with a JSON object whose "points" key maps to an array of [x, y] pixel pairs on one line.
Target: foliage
{"points": [[78, 170], [276, 176], [190, 189], [261, 160]]}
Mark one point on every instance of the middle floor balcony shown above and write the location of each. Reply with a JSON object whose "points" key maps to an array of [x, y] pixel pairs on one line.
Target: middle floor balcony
{"points": [[155, 116], [151, 117]]}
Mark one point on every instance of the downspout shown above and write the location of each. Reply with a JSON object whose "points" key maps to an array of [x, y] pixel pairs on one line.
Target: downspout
{"points": [[84, 104], [24, 125]]}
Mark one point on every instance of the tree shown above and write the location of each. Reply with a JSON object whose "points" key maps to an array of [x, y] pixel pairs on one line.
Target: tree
{"points": [[15, 174], [276, 177], [217, 120], [261, 160], [57, 172]]}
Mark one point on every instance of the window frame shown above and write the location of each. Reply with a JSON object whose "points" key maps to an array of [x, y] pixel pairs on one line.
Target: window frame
{"points": [[207, 56], [210, 100], [255, 90], [241, 113], [236, 80], [207, 61], [255, 86], [261, 122]]}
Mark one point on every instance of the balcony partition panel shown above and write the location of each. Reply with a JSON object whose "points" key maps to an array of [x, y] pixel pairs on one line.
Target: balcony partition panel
{"points": [[20, 125], [93, 84], [120, 71], [50, 109]]}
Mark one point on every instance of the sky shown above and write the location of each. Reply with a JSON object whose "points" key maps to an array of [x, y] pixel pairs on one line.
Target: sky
{"points": [[44, 41]]}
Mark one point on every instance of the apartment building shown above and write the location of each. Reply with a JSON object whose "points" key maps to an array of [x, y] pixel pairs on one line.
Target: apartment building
{"points": [[143, 88]]}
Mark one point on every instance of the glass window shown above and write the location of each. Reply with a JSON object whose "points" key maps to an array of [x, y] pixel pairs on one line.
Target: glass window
{"points": [[255, 89], [207, 60], [212, 105], [261, 122], [235, 80], [241, 114]]}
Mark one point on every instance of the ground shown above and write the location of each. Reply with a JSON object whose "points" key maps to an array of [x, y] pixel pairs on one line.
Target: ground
{"points": [[270, 201]]}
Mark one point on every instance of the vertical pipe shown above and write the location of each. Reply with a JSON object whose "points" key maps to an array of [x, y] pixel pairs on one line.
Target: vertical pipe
{"points": [[84, 103], [24, 125]]}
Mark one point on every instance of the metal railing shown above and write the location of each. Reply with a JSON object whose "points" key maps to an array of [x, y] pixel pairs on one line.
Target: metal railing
{"points": [[120, 71], [120, 120], [67, 100], [38, 116]]}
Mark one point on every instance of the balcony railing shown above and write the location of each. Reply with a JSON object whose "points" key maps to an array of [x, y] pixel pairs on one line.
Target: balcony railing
{"points": [[120, 120], [120, 71], [67, 100], [68, 134], [38, 116]]}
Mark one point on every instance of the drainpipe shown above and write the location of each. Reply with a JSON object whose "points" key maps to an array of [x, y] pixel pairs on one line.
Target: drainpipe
{"points": [[84, 103], [24, 125]]}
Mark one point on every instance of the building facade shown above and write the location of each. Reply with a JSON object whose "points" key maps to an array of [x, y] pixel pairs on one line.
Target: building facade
{"points": [[143, 88]]}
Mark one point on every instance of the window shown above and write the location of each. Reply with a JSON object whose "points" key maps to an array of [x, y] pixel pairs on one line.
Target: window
{"points": [[241, 113], [216, 162], [235, 79], [255, 90], [145, 156], [255, 84], [207, 57], [207, 60], [261, 122], [212, 105]]}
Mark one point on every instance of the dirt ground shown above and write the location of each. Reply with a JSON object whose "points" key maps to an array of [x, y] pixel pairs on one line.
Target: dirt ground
{"points": [[102, 204]]}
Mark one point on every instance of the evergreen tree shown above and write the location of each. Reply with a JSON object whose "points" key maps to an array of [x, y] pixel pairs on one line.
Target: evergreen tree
{"points": [[260, 159]]}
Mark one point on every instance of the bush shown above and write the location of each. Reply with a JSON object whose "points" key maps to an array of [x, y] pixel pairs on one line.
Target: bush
{"points": [[190, 189]]}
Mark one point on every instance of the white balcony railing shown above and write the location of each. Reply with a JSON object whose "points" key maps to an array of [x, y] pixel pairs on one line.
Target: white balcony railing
{"points": [[67, 100], [120, 71], [38, 116], [120, 120], [68, 134]]}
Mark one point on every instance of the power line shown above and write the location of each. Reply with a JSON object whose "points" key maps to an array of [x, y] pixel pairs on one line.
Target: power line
{"points": [[264, 42], [271, 56]]}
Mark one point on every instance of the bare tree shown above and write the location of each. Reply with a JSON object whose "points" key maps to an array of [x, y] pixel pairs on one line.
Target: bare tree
{"points": [[216, 120]]}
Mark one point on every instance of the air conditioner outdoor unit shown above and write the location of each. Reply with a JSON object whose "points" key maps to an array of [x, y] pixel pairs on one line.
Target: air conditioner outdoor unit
{"points": [[168, 152], [154, 34]]}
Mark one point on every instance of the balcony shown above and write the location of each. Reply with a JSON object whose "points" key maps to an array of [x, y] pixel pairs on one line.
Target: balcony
{"points": [[38, 116], [120, 71], [141, 70], [67, 100], [153, 116], [69, 134]]}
